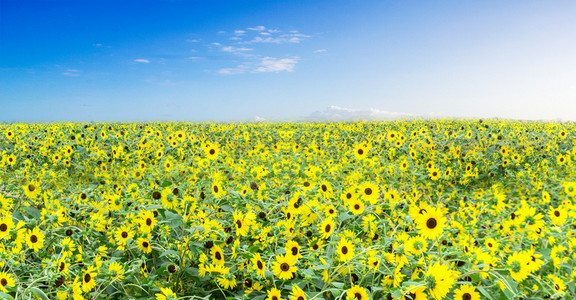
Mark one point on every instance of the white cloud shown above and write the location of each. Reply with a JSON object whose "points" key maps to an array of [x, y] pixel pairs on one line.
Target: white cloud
{"points": [[239, 32], [232, 71], [264, 65], [194, 58], [271, 64], [259, 119], [235, 49], [257, 28], [141, 60], [71, 73], [320, 51], [337, 113]]}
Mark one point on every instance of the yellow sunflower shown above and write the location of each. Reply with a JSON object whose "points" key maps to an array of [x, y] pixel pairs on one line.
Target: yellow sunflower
{"points": [[466, 292], [345, 250], [6, 280], [431, 223], [357, 292], [35, 239], [283, 267]]}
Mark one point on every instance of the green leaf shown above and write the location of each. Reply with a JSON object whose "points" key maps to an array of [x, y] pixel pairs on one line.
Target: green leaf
{"points": [[338, 284], [33, 211], [39, 293], [168, 252], [484, 292]]}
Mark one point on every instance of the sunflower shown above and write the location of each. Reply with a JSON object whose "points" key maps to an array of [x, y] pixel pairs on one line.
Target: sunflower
{"points": [[274, 294], [227, 281], [415, 293], [357, 292], [559, 285], [144, 245], [241, 224], [89, 279], [345, 250], [297, 293], [360, 152], [6, 280], [123, 234], [217, 255], [369, 192], [166, 294], [211, 151], [32, 189], [439, 280], [217, 190], [293, 250], [62, 265], [431, 223], [35, 239], [6, 225], [491, 244], [466, 292], [146, 221], [326, 228], [283, 267], [259, 265], [356, 206], [558, 215], [518, 262], [116, 271]]}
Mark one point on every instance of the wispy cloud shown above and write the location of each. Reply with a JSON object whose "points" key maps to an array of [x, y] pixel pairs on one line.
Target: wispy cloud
{"points": [[320, 51], [235, 49], [244, 43], [271, 64], [71, 73], [141, 60], [263, 65]]}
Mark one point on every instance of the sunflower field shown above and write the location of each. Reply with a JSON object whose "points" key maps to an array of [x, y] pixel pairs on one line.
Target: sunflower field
{"points": [[413, 209]]}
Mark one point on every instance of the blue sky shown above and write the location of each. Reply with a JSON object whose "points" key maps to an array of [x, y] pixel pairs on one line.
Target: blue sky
{"points": [[283, 60]]}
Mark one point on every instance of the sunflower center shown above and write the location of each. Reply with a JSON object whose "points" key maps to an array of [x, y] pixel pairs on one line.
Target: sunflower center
{"points": [[466, 296], [557, 213], [275, 298], [124, 234], [516, 266], [4, 282], [324, 188], [348, 195], [3, 227], [239, 224], [356, 206], [61, 267], [31, 187], [360, 151], [300, 298], [215, 189], [259, 264], [145, 244], [284, 267], [33, 238], [294, 251], [148, 221], [218, 256], [431, 223], [87, 277], [357, 296], [344, 250], [212, 151], [306, 184], [327, 228], [368, 191]]}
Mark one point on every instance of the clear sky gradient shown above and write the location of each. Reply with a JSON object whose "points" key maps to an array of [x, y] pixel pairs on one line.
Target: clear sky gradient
{"points": [[282, 60]]}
